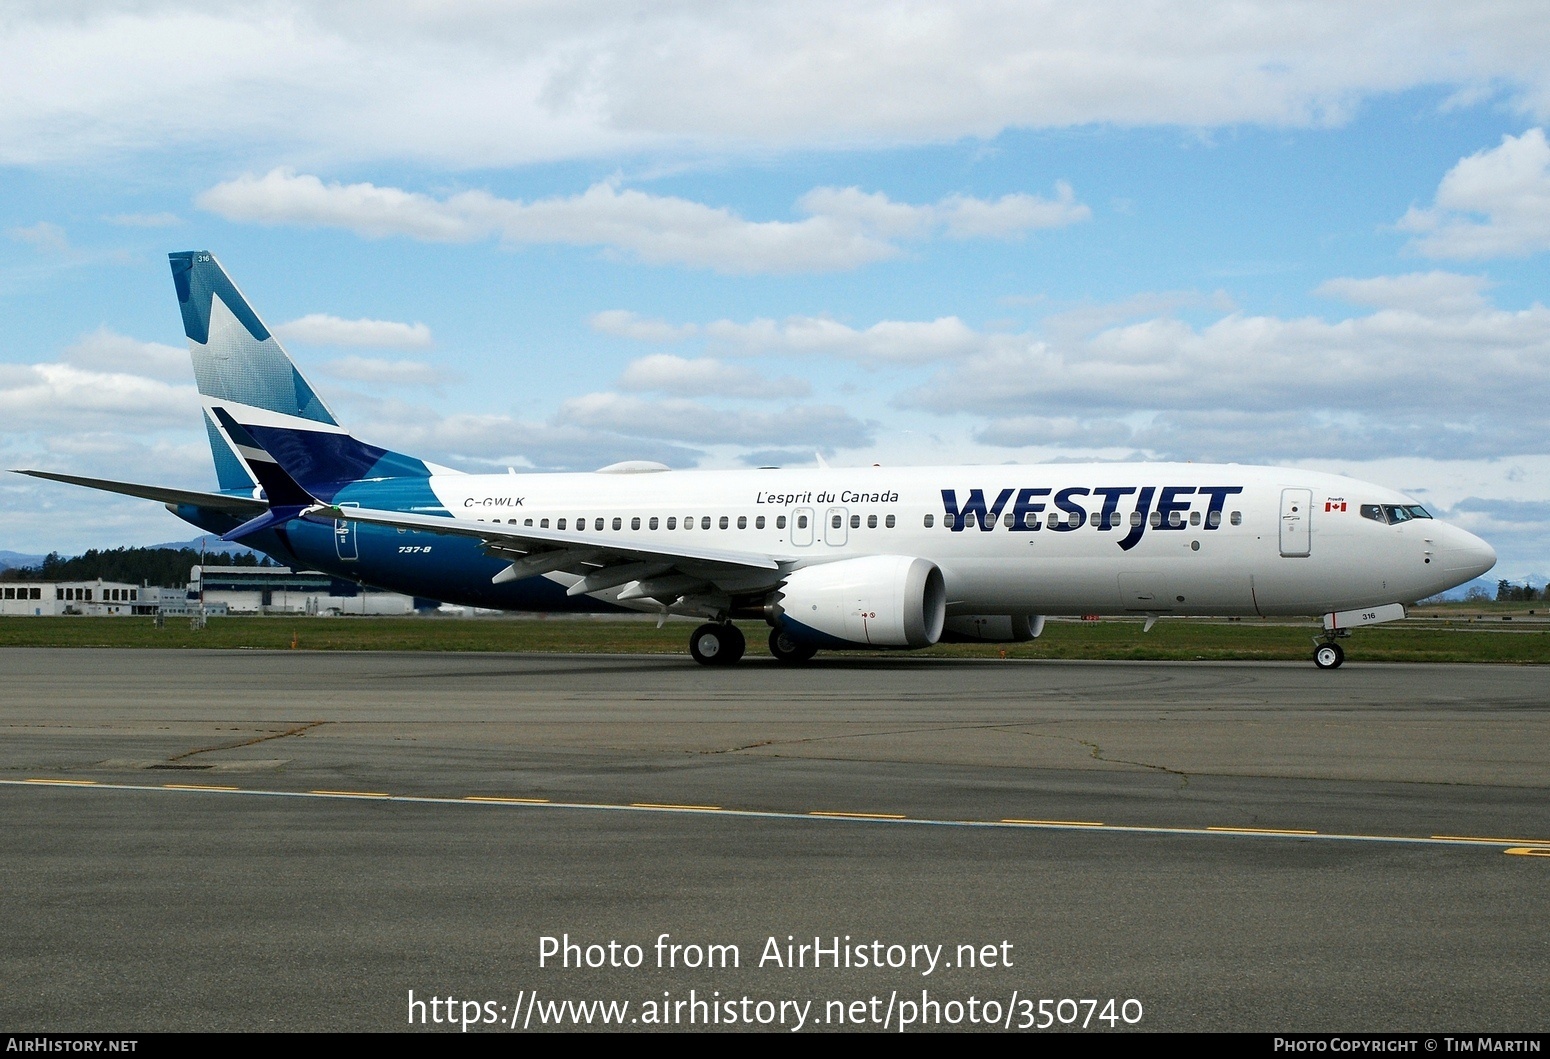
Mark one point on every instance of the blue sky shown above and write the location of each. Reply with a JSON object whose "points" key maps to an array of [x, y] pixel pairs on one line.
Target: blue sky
{"points": [[717, 234]]}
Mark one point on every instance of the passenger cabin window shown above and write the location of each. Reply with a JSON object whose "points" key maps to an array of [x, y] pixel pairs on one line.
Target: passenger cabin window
{"points": [[890, 522], [723, 522], [837, 520], [871, 522], [705, 522], [1213, 520], [855, 521], [672, 522], [1194, 518], [929, 519], [802, 521], [653, 523], [1156, 520], [780, 522], [560, 524], [543, 523], [1237, 518], [618, 523], [742, 522], [635, 523], [758, 523]]}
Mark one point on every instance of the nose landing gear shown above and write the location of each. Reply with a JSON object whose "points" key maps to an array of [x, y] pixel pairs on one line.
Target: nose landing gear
{"points": [[1328, 655]]}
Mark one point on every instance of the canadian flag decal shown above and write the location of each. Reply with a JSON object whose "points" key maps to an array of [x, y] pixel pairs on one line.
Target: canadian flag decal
{"points": [[1334, 503]]}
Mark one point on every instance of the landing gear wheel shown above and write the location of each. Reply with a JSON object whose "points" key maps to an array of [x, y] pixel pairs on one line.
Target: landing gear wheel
{"points": [[1328, 656], [785, 649], [717, 645], [733, 643]]}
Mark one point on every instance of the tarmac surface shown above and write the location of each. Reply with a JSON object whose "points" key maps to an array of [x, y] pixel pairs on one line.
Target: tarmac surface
{"points": [[298, 841]]}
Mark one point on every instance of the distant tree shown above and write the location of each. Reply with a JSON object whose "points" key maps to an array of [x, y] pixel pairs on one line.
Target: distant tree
{"points": [[1507, 592], [1477, 594], [167, 567]]}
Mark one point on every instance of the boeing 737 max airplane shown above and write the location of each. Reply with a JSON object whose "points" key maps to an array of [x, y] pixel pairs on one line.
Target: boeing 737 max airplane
{"points": [[828, 558]]}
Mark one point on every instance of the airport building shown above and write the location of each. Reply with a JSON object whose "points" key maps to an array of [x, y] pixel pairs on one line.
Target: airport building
{"points": [[95, 598], [212, 590], [280, 590]]}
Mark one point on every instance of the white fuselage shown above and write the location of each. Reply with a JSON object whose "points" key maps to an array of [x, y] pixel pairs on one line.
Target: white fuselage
{"points": [[1047, 539]]}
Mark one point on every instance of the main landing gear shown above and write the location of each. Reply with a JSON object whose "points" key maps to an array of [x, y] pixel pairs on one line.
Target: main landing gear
{"points": [[717, 644], [787, 650], [721, 644]]}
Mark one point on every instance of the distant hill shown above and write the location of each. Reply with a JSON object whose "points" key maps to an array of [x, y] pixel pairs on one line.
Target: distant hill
{"points": [[212, 543], [11, 559]]}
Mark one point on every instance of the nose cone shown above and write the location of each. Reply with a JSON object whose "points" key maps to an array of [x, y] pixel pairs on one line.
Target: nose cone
{"points": [[1466, 556]]}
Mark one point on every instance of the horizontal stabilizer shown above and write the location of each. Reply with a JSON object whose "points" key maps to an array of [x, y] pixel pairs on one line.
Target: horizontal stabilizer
{"points": [[275, 516], [237, 505]]}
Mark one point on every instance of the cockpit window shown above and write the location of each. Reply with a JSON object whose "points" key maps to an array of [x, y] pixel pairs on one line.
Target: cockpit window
{"points": [[1394, 513]]}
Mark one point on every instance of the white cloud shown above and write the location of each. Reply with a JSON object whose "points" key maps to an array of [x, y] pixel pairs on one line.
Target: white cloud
{"points": [[705, 377], [486, 441], [384, 372], [474, 84], [1464, 378], [1494, 203], [891, 341], [1422, 292], [677, 419], [624, 324], [66, 398], [146, 220], [967, 218], [107, 351], [44, 236], [845, 228], [867, 211], [1087, 317], [1057, 432], [324, 330], [962, 216]]}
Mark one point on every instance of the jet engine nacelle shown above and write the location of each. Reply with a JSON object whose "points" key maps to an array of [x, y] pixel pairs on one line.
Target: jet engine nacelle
{"points": [[993, 628], [875, 601]]}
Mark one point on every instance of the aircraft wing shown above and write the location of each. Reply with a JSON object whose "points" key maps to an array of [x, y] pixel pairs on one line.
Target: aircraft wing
{"points": [[236, 505], [638, 568]]}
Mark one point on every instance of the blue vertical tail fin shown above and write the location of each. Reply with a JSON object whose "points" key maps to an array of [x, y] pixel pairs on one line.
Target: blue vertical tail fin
{"points": [[243, 372]]}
